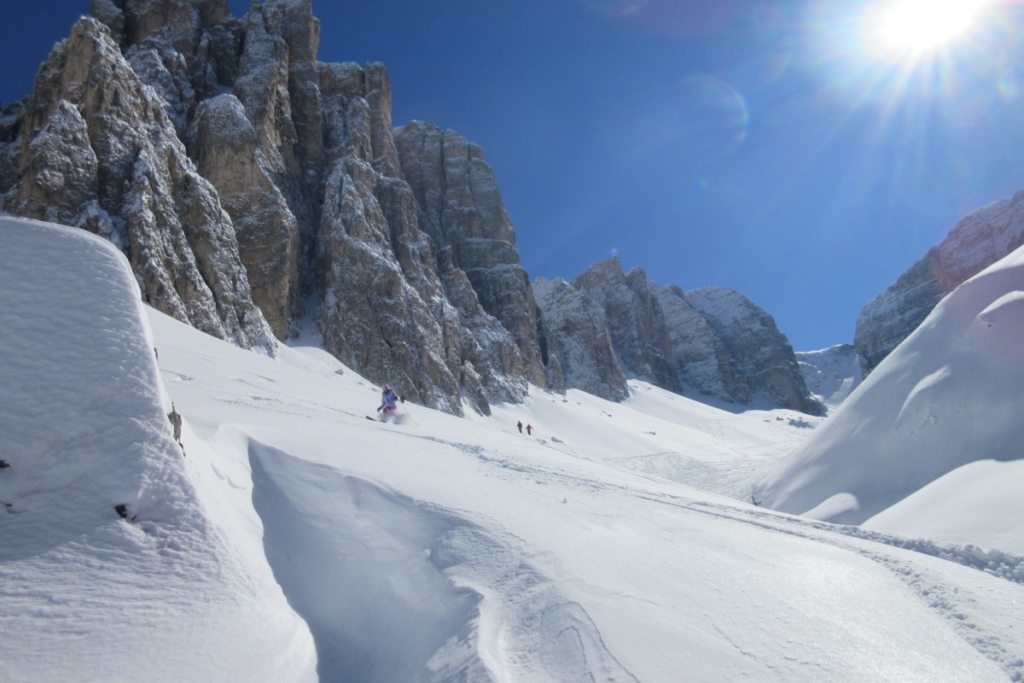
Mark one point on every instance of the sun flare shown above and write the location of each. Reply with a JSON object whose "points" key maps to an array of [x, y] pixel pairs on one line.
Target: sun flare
{"points": [[919, 26]]}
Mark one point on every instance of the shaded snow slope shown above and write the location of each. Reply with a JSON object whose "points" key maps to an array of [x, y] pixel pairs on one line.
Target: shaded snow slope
{"points": [[977, 504], [436, 549], [85, 594], [948, 396]]}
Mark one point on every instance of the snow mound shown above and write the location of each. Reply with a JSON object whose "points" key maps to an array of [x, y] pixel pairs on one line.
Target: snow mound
{"points": [[947, 397], [108, 563]]}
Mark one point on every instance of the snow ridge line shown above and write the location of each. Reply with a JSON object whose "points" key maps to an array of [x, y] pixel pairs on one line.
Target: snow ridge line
{"points": [[966, 613]]}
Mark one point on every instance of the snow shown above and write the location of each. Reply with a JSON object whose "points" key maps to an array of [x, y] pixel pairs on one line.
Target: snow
{"points": [[947, 397], [830, 374], [293, 539], [84, 593]]}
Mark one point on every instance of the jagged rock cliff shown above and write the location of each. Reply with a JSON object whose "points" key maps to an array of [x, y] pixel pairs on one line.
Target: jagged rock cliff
{"points": [[980, 239], [251, 186], [710, 342], [580, 329], [635, 322], [97, 149], [765, 362]]}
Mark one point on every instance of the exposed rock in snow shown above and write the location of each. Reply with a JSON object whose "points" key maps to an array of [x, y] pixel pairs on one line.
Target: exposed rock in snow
{"points": [[301, 197], [634, 320], [228, 153], [462, 209], [981, 238], [699, 356], [245, 179], [763, 356]]}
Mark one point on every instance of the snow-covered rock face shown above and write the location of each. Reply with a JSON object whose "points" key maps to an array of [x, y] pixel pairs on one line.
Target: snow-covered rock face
{"points": [[830, 374], [710, 342], [580, 330], [243, 178], [102, 527], [980, 239], [463, 210], [763, 357]]}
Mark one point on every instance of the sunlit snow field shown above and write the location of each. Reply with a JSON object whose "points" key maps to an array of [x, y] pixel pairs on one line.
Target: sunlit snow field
{"points": [[290, 538]]}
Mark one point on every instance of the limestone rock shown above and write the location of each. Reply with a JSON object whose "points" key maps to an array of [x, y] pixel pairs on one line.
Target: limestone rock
{"points": [[710, 343], [978, 240], [97, 149], [635, 321], [580, 331], [758, 349], [226, 150], [398, 304], [701, 360], [462, 209]]}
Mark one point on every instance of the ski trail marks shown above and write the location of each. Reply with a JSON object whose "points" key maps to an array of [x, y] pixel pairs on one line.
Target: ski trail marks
{"points": [[976, 612]]}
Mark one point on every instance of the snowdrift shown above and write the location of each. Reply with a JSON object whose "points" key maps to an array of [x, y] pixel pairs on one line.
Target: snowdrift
{"points": [[110, 567], [948, 396]]}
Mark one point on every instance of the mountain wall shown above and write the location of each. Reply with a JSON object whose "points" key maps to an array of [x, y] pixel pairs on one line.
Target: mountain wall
{"points": [[980, 239], [710, 342], [253, 187]]}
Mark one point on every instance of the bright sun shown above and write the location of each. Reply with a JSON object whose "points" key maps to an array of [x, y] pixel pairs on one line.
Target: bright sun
{"points": [[919, 26]]}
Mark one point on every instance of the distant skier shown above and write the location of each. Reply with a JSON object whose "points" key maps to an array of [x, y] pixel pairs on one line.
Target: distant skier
{"points": [[388, 403], [520, 425], [529, 429]]}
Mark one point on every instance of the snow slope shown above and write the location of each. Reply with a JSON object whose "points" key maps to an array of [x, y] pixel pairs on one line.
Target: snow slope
{"points": [[949, 396], [438, 549]]}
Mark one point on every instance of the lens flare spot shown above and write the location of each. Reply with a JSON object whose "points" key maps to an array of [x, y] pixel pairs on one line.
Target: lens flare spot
{"points": [[710, 106], [1010, 87], [677, 18]]}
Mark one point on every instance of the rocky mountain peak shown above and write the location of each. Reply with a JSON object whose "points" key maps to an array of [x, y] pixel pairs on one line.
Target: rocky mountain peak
{"points": [[98, 150], [711, 343]]}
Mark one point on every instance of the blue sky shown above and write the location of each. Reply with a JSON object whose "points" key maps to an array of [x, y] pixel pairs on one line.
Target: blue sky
{"points": [[771, 147]]}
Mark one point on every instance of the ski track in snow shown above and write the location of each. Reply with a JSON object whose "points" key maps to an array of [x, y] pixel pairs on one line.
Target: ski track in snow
{"points": [[497, 612], [969, 614], [972, 622]]}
